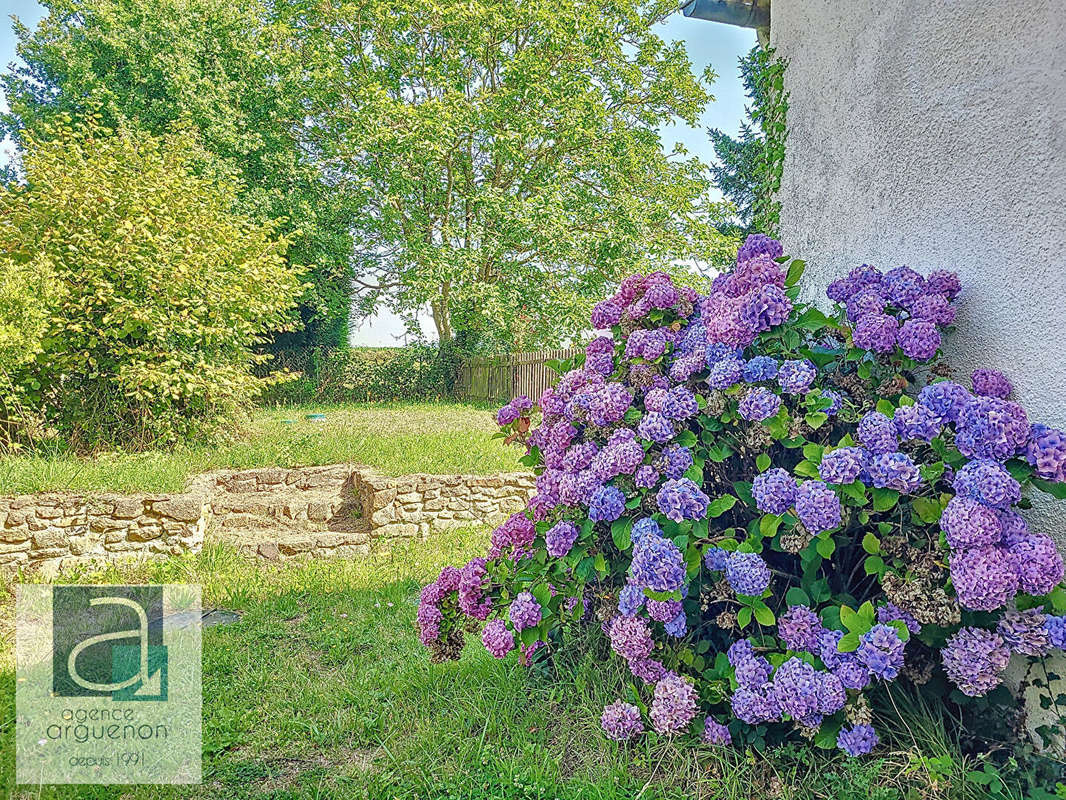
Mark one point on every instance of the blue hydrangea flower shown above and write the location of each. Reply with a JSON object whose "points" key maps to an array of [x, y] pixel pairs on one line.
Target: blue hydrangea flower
{"points": [[796, 376], [774, 491], [607, 504], [760, 368], [747, 573]]}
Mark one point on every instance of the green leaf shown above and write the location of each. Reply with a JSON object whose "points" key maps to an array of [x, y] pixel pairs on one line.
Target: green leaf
{"points": [[816, 419], [807, 469], [795, 596], [813, 452], [825, 547], [686, 438], [871, 544], [721, 505], [1056, 490], [874, 565], [795, 272], [886, 407], [620, 533], [719, 452], [744, 617], [928, 509], [856, 491], [769, 525], [884, 499], [763, 615], [848, 643], [762, 462]]}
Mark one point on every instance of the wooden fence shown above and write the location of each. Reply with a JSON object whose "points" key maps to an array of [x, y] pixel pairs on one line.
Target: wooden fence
{"points": [[496, 379]]}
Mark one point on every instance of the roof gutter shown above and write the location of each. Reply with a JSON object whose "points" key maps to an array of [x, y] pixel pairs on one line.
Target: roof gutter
{"points": [[743, 13]]}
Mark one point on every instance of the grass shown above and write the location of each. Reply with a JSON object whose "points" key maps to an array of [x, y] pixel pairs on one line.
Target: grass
{"points": [[322, 691], [396, 438]]}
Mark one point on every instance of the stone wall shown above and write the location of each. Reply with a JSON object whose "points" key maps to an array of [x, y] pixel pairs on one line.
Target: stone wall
{"points": [[306, 512], [57, 530]]}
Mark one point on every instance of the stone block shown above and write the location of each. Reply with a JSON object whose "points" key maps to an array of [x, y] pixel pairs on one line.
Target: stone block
{"points": [[290, 547], [49, 538], [128, 507], [396, 530], [182, 507]]}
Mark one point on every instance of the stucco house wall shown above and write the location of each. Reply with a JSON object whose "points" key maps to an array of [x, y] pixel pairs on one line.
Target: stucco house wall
{"points": [[934, 135]]}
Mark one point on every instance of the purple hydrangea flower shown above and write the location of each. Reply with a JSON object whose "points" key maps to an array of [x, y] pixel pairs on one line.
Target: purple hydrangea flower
{"points": [[621, 721], [681, 499], [755, 706], [943, 282], [876, 332], [497, 639], [1056, 631], [560, 538], [1013, 526], [946, 399], [1024, 632], [758, 244], [877, 433], [817, 507], [714, 732], [630, 599], [759, 404], [800, 629], [796, 376], [715, 558], [843, 465], [832, 695], [991, 428], [747, 573], [1036, 562], [1046, 451], [646, 477], [967, 523], [894, 471], [881, 650], [858, 740], [751, 671], [525, 611], [760, 368], [607, 504], [774, 491], [766, 308], [973, 659], [935, 308], [919, 339], [631, 637], [675, 461], [471, 590], [661, 295], [797, 687], [656, 428], [983, 577], [663, 610], [657, 564], [674, 704], [644, 527], [725, 373], [680, 404], [863, 302], [903, 286], [678, 626], [990, 383], [917, 422], [647, 669], [605, 314], [514, 537], [987, 482]]}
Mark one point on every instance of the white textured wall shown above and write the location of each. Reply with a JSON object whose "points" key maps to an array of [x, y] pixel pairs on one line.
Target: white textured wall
{"points": [[933, 134]]}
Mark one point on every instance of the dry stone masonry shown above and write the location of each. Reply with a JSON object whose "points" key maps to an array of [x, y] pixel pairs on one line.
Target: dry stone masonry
{"points": [[307, 512]]}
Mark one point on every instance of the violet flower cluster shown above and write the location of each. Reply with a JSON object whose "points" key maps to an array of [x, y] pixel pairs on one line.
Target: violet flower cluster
{"points": [[684, 482]]}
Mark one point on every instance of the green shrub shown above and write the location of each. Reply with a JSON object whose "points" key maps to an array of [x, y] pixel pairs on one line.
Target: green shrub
{"points": [[161, 291], [358, 375]]}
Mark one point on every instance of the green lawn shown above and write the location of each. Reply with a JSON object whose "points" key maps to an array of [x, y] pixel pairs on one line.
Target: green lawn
{"points": [[395, 438], [323, 691]]}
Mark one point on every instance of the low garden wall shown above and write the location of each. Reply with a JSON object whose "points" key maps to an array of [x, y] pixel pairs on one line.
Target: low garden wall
{"points": [[306, 512]]}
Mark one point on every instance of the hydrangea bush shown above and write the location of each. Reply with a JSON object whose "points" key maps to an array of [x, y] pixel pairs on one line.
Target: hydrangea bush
{"points": [[769, 510]]}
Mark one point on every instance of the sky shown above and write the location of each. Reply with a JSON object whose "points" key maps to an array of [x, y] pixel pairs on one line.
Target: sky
{"points": [[708, 43]]}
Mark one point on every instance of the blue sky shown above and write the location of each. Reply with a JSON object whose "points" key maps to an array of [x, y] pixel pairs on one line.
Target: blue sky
{"points": [[708, 43]]}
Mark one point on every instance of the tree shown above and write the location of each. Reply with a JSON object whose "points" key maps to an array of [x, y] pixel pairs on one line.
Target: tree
{"points": [[160, 290], [505, 154], [748, 168], [225, 68]]}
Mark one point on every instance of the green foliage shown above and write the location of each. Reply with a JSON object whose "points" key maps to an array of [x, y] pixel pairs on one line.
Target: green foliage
{"points": [[505, 155], [360, 375], [161, 290], [749, 167], [227, 70]]}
